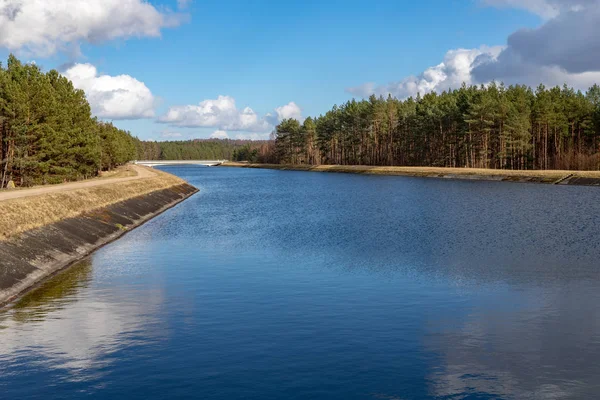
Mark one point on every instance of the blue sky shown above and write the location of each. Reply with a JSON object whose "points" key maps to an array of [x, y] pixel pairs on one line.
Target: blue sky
{"points": [[265, 55]]}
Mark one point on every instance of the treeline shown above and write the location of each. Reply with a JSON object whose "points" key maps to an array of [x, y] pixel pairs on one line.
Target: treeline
{"points": [[490, 126], [248, 153], [199, 149], [47, 133]]}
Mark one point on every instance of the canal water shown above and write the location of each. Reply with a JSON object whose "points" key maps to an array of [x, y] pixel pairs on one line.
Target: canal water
{"points": [[297, 285]]}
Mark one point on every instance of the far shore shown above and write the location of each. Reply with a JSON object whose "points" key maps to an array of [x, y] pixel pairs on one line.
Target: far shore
{"points": [[559, 177]]}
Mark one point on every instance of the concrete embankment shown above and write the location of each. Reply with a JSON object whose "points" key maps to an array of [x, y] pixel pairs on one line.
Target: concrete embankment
{"points": [[587, 178], [31, 251]]}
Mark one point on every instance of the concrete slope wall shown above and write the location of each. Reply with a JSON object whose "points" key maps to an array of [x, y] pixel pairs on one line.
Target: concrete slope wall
{"points": [[29, 258]]}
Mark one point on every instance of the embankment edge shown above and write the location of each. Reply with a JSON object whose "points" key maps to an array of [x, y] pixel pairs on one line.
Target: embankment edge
{"points": [[29, 259]]}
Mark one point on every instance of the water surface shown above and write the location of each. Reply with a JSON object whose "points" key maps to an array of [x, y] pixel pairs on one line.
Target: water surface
{"points": [[295, 285]]}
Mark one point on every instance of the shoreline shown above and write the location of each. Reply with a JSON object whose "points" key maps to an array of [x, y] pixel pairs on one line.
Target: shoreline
{"points": [[29, 257], [555, 177]]}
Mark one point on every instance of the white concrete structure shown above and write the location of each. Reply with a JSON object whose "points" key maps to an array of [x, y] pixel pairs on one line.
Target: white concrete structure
{"points": [[154, 163]]}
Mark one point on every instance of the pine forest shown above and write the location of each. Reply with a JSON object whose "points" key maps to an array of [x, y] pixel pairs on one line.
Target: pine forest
{"points": [[491, 126]]}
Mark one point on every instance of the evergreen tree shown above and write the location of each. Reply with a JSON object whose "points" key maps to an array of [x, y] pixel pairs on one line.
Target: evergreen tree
{"points": [[491, 126], [47, 133]]}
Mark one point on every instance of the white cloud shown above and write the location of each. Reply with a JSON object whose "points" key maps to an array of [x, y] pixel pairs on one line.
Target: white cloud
{"points": [[222, 113], [565, 48], [170, 135], [183, 4], [219, 135], [290, 110], [510, 68], [44, 27], [112, 97], [252, 136], [451, 73], [570, 41], [544, 8]]}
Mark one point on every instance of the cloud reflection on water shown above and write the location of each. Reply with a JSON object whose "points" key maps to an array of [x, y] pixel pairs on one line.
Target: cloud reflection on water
{"points": [[61, 326], [520, 347]]}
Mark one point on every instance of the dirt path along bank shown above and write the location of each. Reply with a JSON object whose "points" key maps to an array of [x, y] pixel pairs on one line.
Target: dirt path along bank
{"points": [[140, 172]]}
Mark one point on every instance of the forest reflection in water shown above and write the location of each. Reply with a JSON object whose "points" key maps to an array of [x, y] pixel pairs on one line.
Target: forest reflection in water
{"points": [[53, 294]]}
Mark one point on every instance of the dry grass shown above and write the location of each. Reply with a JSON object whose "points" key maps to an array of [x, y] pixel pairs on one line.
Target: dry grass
{"points": [[23, 214], [551, 175], [124, 171]]}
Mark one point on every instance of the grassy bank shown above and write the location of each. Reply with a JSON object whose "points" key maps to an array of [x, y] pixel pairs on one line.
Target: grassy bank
{"points": [[550, 176], [22, 214], [124, 171]]}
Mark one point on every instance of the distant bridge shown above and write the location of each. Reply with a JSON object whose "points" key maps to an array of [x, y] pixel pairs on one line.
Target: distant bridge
{"points": [[154, 163]]}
